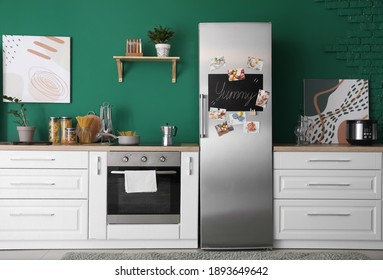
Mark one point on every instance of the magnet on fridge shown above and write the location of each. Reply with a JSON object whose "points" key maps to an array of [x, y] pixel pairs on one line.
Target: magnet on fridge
{"points": [[251, 127], [217, 113], [216, 63], [236, 74], [237, 118], [253, 112], [262, 98], [255, 63], [223, 128]]}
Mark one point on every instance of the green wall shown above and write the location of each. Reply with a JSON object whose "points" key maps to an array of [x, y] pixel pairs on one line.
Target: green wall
{"points": [[147, 99]]}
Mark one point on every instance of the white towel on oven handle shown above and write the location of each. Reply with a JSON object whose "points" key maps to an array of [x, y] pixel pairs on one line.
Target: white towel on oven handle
{"points": [[140, 181]]}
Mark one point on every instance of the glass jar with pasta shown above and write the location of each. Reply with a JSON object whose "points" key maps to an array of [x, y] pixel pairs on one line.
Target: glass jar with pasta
{"points": [[54, 130], [70, 135], [65, 123]]}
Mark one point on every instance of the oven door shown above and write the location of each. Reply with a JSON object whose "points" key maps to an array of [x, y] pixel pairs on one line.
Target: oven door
{"points": [[160, 207]]}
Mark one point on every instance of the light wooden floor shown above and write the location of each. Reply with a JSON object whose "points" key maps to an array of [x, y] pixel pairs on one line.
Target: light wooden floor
{"points": [[58, 254]]}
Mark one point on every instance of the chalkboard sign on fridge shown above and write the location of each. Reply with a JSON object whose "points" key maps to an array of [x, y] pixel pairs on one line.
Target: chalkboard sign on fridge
{"points": [[234, 95]]}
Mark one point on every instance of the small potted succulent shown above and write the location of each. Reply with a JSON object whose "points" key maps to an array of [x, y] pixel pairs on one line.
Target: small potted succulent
{"points": [[160, 36], [25, 131]]}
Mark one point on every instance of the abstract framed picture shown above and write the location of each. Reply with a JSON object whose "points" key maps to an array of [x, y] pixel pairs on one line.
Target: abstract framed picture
{"points": [[329, 103], [37, 68]]}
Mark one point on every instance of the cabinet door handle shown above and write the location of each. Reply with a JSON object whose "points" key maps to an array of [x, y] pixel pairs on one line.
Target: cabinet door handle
{"points": [[33, 159], [31, 214], [98, 165], [190, 168], [329, 160], [328, 185], [328, 214], [32, 183]]}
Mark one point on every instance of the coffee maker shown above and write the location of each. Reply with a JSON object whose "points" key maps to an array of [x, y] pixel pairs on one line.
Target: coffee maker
{"points": [[168, 132]]}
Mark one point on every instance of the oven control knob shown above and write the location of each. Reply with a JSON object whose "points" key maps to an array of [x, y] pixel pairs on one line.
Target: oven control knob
{"points": [[144, 159], [125, 159], [162, 159]]}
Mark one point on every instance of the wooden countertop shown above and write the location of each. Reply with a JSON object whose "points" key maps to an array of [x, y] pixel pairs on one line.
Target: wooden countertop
{"points": [[326, 148], [102, 147]]}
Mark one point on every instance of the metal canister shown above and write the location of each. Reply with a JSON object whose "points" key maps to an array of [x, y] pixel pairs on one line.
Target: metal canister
{"points": [[54, 130], [65, 122], [70, 135]]}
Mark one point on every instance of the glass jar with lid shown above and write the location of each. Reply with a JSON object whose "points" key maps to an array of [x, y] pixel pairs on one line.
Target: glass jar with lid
{"points": [[70, 135], [65, 122], [54, 130]]}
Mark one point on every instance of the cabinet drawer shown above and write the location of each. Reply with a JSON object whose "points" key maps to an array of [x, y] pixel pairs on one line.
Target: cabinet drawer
{"points": [[328, 184], [327, 220], [137, 232], [43, 183], [43, 219], [43, 159], [327, 160]]}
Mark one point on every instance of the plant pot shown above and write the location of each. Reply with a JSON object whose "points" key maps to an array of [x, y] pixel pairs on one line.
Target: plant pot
{"points": [[26, 133], [163, 50]]}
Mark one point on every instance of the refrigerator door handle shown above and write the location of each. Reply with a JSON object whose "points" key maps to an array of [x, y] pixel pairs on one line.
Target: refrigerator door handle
{"points": [[202, 112]]}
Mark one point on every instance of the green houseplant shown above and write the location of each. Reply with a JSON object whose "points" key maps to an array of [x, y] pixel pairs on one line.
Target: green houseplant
{"points": [[160, 36], [25, 131]]}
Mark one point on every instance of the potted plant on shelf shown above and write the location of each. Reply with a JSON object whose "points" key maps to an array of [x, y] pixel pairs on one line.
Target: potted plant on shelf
{"points": [[160, 36], [25, 131]]}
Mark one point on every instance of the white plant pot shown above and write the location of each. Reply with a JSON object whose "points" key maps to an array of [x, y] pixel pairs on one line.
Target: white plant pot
{"points": [[163, 50], [26, 133]]}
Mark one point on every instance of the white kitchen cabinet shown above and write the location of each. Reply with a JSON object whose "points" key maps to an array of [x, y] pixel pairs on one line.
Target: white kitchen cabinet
{"points": [[44, 183], [43, 195], [56, 197], [328, 184], [44, 159], [189, 195], [97, 195], [327, 160], [328, 219], [322, 199], [34, 219]]}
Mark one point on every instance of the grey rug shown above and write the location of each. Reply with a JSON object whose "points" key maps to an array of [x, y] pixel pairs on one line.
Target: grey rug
{"points": [[218, 255]]}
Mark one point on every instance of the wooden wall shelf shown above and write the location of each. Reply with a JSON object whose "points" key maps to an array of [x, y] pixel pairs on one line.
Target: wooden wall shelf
{"points": [[121, 59]]}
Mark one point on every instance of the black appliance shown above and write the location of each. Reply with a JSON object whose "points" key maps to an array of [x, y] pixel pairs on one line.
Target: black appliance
{"points": [[361, 132]]}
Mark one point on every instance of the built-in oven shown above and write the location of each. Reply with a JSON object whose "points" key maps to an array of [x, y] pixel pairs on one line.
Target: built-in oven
{"points": [[159, 207]]}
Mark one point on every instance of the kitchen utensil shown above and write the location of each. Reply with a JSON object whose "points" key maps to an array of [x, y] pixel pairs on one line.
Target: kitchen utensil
{"points": [[122, 140], [361, 132], [106, 120], [168, 133]]}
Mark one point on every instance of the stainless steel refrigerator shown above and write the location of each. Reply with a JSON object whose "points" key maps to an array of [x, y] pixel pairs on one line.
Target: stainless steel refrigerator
{"points": [[235, 136]]}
